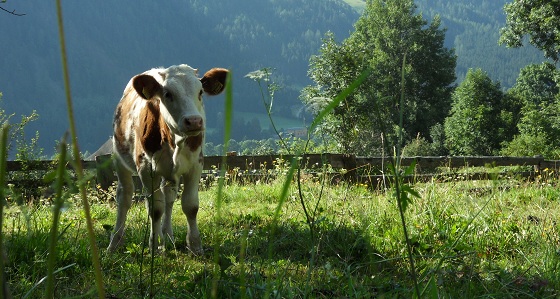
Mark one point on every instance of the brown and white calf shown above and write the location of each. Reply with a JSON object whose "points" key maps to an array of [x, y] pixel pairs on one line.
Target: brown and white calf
{"points": [[159, 129]]}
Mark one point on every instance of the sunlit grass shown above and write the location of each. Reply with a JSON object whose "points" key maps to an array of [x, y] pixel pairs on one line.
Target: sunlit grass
{"points": [[489, 237]]}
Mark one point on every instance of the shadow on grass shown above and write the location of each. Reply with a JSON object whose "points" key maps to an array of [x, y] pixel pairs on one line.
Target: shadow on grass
{"points": [[255, 264], [347, 265]]}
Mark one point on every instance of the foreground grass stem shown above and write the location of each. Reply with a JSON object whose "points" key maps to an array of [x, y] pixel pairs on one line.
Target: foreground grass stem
{"points": [[57, 209], [3, 157], [77, 157]]}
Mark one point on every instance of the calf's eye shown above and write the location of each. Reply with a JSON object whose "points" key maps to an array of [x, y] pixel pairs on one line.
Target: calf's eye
{"points": [[167, 95]]}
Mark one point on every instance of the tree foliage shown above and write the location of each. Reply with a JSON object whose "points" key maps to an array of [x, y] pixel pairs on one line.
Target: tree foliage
{"points": [[481, 118], [20, 147], [539, 19], [538, 90], [385, 33]]}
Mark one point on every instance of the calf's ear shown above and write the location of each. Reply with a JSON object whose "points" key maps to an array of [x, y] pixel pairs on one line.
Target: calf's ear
{"points": [[146, 86], [214, 81]]}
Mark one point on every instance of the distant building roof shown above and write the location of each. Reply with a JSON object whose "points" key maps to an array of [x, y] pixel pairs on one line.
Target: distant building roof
{"points": [[106, 148]]}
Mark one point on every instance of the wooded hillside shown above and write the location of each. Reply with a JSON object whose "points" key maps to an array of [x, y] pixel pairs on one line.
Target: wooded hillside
{"points": [[112, 41]]}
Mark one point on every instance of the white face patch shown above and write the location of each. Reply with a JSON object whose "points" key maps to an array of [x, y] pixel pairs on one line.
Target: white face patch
{"points": [[181, 102]]}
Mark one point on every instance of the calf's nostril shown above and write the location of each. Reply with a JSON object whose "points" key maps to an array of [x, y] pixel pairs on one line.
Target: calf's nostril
{"points": [[193, 123]]}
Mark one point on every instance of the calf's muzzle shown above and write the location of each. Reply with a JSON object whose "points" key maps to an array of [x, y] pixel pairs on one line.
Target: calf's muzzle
{"points": [[193, 124]]}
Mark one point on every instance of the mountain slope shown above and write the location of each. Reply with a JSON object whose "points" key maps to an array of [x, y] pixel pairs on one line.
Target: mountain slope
{"points": [[109, 42]]}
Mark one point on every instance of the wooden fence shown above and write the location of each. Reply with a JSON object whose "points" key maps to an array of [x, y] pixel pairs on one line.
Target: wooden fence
{"points": [[343, 167]]}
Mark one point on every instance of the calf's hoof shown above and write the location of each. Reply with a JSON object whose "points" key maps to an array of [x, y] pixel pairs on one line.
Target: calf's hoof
{"points": [[196, 251], [112, 248], [115, 243], [195, 246]]}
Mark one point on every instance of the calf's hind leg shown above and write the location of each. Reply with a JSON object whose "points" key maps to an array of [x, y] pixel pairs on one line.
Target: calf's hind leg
{"points": [[125, 188]]}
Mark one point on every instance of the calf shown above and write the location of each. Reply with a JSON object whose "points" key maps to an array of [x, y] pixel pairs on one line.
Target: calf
{"points": [[158, 133]]}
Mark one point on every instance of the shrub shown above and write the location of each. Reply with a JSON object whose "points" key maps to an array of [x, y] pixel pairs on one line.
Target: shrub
{"points": [[418, 147]]}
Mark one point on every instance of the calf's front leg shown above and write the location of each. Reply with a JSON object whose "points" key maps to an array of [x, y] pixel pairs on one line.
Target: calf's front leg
{"points": [[189, 204], [155, 204], [170, 193]]}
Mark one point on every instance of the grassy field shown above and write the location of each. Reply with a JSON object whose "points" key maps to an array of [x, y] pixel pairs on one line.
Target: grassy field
{"points": [[481, 239]]}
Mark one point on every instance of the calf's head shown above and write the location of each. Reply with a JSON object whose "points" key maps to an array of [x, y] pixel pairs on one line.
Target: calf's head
{"points": [[179, 92]]}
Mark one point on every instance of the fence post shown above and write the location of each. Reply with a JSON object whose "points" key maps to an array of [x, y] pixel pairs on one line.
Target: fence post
{"points": [[537, 167], [104, 167], [351, 175]]}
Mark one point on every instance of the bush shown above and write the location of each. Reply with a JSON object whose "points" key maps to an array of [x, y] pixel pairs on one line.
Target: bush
{"points": [[418, 147], [531, 145]]}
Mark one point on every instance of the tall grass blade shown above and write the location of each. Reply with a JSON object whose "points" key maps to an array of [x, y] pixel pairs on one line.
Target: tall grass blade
{"points": [[285, 188], [76, 152], [3, 170], [58, 203], [401, 113], [228, 115], [228, 112], [283, 195], [36, 285], [402, 190], [242, 265]]}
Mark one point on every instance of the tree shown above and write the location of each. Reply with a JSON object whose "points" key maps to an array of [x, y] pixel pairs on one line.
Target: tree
{"points": [[481, 117], [386, 33], [12, 12], [25, 149], [538, 90], [537, 85], [539, 19]]}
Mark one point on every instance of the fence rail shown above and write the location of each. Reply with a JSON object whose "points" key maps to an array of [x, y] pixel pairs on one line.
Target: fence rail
{"points": [[346, 167], [349, 164]]}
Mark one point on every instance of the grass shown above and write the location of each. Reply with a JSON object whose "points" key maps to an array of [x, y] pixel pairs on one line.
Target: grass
{"points": [[473, 239]]}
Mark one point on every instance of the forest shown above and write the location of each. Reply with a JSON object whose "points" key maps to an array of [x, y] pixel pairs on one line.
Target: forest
{"points": [[109, 43]]}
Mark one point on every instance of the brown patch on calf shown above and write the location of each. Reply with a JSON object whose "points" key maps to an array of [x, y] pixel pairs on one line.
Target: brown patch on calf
{"points": [[120, 122], [152, 131], [166, 136], [194, 142], [118, 134], [139, 158]]}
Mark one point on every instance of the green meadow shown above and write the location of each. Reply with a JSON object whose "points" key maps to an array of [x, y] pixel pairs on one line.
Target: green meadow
{"points": [[470, 239]]}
